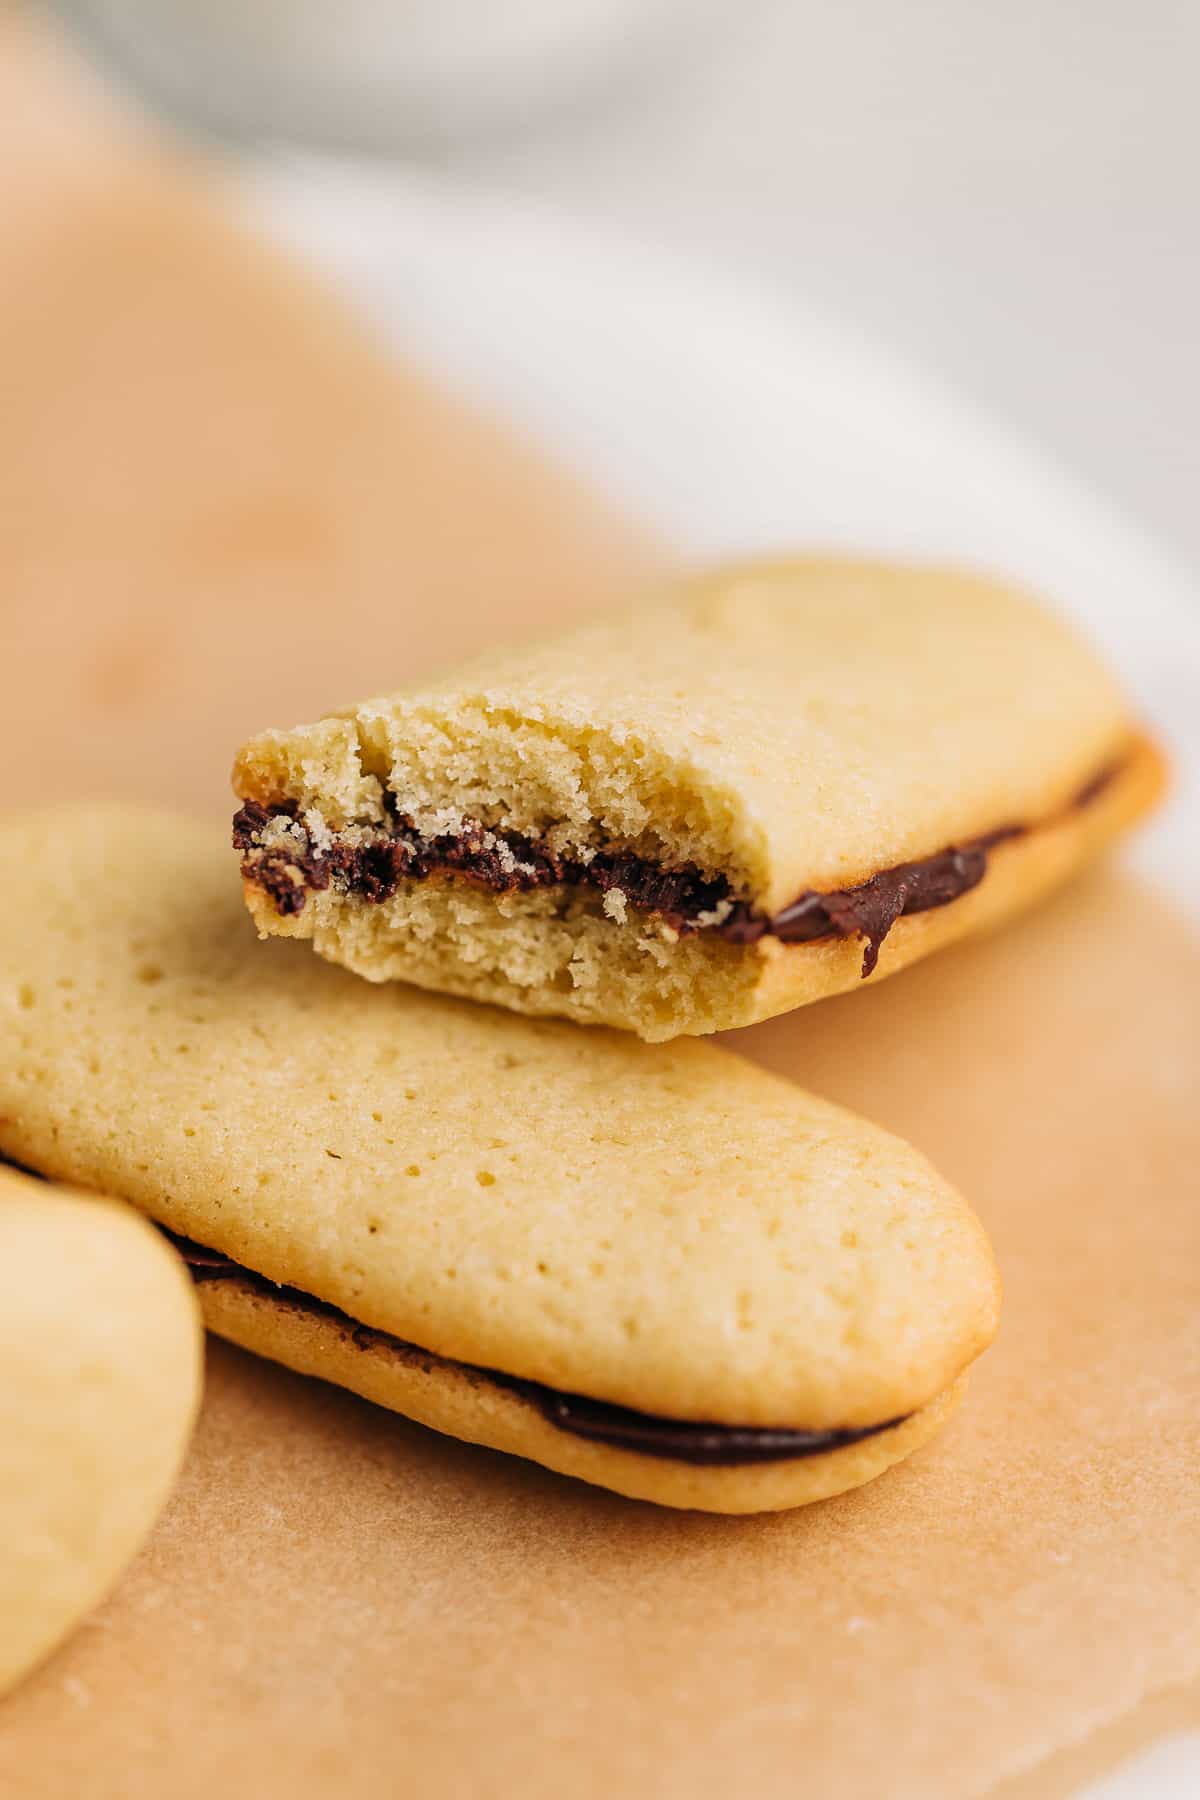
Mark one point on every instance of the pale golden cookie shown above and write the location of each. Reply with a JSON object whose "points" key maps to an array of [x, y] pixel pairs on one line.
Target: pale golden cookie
{"points": [[666, 1230], [100, 1360], [725, 803], [466, 1403]]}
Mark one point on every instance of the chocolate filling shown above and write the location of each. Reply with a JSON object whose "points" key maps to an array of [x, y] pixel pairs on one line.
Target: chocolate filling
{"points": [[680, 1440], [373, 866]]}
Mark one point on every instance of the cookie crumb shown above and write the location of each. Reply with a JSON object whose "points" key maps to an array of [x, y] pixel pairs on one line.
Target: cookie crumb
{"points": [[615, 905]]}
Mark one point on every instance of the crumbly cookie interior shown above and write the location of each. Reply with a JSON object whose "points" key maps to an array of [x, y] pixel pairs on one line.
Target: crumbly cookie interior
{"points": [[572, 786], [550, 952], [575, 791]]}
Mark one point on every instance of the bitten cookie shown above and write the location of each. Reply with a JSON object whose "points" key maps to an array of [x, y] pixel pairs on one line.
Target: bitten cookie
{"points": [[100, 1359], [773, 783], [662, 1270]]}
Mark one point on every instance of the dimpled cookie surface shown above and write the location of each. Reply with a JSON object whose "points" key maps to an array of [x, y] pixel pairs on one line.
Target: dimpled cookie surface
{"points": [[667, 1229]]}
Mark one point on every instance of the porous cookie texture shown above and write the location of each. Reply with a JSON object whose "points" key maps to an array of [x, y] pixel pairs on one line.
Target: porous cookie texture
{"points": [[100, 1360], [655, 821], [669, 1230]]}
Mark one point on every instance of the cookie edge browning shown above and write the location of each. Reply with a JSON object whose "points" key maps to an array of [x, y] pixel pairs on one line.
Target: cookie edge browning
{"points": [[1020, 872], [463, 1403]]}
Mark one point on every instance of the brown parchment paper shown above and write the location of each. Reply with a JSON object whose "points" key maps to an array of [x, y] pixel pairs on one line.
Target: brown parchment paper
{"points": [[218, 507]]}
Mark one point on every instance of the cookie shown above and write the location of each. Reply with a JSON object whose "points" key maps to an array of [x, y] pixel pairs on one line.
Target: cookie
{"points": [[766, 787], [662, 1270], [100, 1358]]}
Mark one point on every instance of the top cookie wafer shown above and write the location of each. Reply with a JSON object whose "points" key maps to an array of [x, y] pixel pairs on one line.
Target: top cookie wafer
{"points": [[749, 794]]}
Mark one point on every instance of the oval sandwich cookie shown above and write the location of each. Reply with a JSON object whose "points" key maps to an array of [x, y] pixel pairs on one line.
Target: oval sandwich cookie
{"points": [[100, 1361], [738, 797], [662, 1270]]}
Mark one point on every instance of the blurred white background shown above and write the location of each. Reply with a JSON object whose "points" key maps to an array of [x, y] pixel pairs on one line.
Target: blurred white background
{"points": [[1006, 193], [1009, 193]]}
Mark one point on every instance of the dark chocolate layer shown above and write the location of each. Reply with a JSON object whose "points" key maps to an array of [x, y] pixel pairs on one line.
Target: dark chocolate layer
{"points": [[680, 1440], [683, 897], [504, 864]]}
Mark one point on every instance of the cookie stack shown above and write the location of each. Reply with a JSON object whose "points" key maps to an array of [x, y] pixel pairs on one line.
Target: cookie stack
{"points": [[647, 1264]]}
